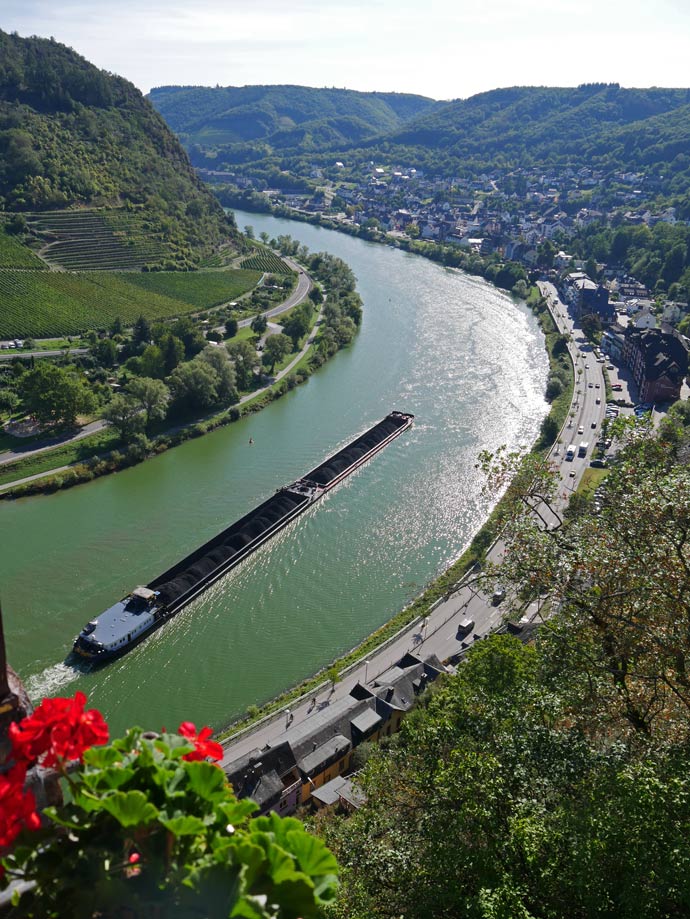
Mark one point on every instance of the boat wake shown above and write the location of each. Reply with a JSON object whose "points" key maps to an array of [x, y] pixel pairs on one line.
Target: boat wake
{"points": [[51, 680]]}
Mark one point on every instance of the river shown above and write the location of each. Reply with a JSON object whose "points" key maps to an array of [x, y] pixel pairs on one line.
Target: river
{"points": [[465, 358]]}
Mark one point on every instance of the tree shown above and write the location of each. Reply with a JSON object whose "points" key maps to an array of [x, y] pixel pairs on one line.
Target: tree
{"points": [[297, 325], [249, 231], [141, 331], [173, 351], [277, 348], [333, 675], [105, 352], [190, 335], [124, 413], [9, 400], [244, 357], [226, 380], [263, 236], [152, 364], [194, 385], [152, 397], [259, 324], [591, 326], [55, 395], [231, 328]]}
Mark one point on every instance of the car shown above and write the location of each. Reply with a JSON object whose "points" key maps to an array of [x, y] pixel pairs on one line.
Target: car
{"points": [[598, 400], [599, 463], [617, 386], [597, 385], [586, 366], [499, 595], [610, 367], [590, 385], [572, 473], [594, 424], [581, 430]]}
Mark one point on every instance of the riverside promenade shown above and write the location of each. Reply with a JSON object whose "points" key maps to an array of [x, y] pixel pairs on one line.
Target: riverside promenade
{"points": [[436, 634]]}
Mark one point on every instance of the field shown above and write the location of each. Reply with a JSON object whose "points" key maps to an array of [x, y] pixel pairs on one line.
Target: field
{"points": [[14, 255], [199, 289], [266, 261], [88, 239], [42, 304]]}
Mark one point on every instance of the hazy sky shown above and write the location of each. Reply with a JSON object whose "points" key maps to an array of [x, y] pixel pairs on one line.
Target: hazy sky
{"points": [[440, 48]]}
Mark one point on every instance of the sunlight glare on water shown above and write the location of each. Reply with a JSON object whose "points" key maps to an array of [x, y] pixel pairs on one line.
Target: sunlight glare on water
{"points": [[465, 358]]}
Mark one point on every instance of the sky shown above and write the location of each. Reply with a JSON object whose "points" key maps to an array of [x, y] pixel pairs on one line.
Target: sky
{"points": [[445, 49]]}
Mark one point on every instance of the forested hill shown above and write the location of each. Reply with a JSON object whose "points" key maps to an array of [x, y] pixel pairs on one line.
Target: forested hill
{"points": [[71, 134], [592, 124], [282, 117]]}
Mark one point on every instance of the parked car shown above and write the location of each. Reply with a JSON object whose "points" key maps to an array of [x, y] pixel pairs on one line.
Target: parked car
{"points": [[499, 595]]}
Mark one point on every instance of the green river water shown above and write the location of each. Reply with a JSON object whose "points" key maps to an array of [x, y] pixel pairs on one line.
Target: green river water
{"points": [[465, 358]]}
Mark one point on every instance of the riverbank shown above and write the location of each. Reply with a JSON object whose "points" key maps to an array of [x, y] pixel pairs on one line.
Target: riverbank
{"points": [[87, 461], [504, 273]]}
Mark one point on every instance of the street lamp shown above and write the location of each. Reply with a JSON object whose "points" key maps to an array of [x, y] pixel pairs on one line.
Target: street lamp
{"points": [[366, 670]]}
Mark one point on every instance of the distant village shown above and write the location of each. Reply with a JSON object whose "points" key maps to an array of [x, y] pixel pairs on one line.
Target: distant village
{"points": [[524, 217]]}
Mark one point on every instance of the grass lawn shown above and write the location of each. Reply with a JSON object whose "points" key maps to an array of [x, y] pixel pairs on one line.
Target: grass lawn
{"points": [[78, 451], [591, 480]]}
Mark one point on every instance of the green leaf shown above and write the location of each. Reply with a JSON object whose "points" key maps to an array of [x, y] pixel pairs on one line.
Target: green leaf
{"points": [[184, 825], [207, 780], [236, 812], [62, 819], [311, 853], [130, 808], [108, 779], [251, 908], [102, 757]]}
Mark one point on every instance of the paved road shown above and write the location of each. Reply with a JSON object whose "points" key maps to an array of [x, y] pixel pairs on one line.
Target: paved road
{"points": [[300, 293], [438, 634], [53, 352]]}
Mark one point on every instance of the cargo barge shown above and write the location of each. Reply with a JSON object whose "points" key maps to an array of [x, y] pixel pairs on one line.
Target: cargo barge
{"points": [[134, 617]]}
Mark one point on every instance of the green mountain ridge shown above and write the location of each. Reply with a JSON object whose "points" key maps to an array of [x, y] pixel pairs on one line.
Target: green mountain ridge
{"points": [[282, 117], [599, 124], [72, 135], [530, 123]]}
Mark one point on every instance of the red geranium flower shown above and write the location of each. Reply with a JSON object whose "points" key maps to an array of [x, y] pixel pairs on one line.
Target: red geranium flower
{"points": [[58, 730], [17, 807], [203, 747]]}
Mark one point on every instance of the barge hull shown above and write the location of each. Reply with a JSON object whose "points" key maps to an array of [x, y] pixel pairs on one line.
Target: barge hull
{"points": [[191, 576]]}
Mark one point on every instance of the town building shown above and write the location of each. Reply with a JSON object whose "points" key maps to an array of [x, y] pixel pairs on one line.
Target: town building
{"points": [[284, 775], [658, 362]]}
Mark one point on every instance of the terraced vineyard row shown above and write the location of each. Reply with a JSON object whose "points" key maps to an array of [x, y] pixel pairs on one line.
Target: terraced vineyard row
{"points": [[45, 304], [266, 261], [14, 255], [98, 240]]}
